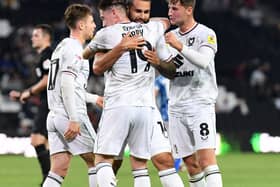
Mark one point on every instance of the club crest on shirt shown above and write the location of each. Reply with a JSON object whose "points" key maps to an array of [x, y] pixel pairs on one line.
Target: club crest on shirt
{"points": [[191, 41], [211, 39]]}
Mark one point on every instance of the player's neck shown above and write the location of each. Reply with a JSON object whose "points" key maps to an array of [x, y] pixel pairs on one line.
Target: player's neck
{"points": [[187, 26], [123, 19], [77, 36], [40, 49]]}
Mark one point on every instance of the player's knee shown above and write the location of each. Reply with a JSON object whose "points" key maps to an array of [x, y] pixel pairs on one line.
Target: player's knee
{"points": [[163, 161], [137, 163], [35, 142], [37, 139], [192, 165], [207, 158], [60, 170], [89, 159], [207, 161]]}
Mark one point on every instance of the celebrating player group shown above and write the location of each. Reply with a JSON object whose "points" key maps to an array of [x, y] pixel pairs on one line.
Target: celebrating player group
{"points": [[130, 51]]}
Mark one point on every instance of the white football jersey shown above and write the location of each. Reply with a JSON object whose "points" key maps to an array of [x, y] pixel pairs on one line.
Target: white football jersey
{"points": [[67, 58], [193, 84], [130, 81]]}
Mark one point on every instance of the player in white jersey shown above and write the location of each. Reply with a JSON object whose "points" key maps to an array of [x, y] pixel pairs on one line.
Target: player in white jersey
{"points": [[139, 11], [128, 77], [193, 93], [69, 129]]}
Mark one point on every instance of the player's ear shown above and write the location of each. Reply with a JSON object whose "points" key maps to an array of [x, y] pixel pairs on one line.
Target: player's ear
{"points": [[80, 24], [113, 11], [189, 10]]}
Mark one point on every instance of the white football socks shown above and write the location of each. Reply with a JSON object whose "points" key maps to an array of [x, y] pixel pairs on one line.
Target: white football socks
{"points": [[53, 180], [141, 178], [170, 178], [213, 176]]}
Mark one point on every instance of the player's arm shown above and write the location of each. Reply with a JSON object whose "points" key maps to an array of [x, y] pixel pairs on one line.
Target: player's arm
{"points": [[104, 61], [35, 89], [161, 58], [94, 99], [166, 68], [88, 53], [68, 97], [200, 58]]}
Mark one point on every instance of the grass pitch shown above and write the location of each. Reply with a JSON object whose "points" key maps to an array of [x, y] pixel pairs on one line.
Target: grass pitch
{"points": [[238, 170]]}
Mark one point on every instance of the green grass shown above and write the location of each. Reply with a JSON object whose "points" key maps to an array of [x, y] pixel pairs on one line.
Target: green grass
{"points": [[239, 170]]}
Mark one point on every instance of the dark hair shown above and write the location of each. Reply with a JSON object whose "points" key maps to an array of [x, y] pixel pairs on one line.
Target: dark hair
{"points": [[185, 3], [105, 4], [76, 12], [46, 29], [130, 2]]}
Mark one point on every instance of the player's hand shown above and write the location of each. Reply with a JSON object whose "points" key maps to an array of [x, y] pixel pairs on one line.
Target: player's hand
{"points": [[24, 96], [152, 57], [132, 42], [14, 95], [171, 39], [72, 131], [100, 101]]}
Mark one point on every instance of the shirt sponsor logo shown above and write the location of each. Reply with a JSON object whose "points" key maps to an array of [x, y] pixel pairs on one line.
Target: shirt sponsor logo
{"points": [[184, 73]]}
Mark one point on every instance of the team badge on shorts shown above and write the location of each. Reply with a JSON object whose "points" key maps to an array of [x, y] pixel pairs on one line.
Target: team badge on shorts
{"points": [[204, 131]]}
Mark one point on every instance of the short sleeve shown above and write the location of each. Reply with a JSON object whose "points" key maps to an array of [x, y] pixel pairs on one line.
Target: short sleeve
{"points": [[45, 62], [209, 39], [45, 66], [99, 42]]}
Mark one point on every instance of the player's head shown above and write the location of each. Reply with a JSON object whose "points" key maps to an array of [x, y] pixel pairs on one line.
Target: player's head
{"points": [[180, 10], [139, 10], [112, 11], [79, 17], [41, 36]]}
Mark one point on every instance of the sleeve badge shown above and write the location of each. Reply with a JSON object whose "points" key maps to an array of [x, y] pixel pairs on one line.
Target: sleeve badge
{"points": [[211, 39]]}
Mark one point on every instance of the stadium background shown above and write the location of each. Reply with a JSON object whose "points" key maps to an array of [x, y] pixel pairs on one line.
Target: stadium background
{"points": [[247, 68]]}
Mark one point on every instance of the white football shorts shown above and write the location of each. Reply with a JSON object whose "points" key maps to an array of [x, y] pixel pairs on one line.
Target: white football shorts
{"points": [[192, 131], [57, 125], [160, 141], [127, 124]]}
